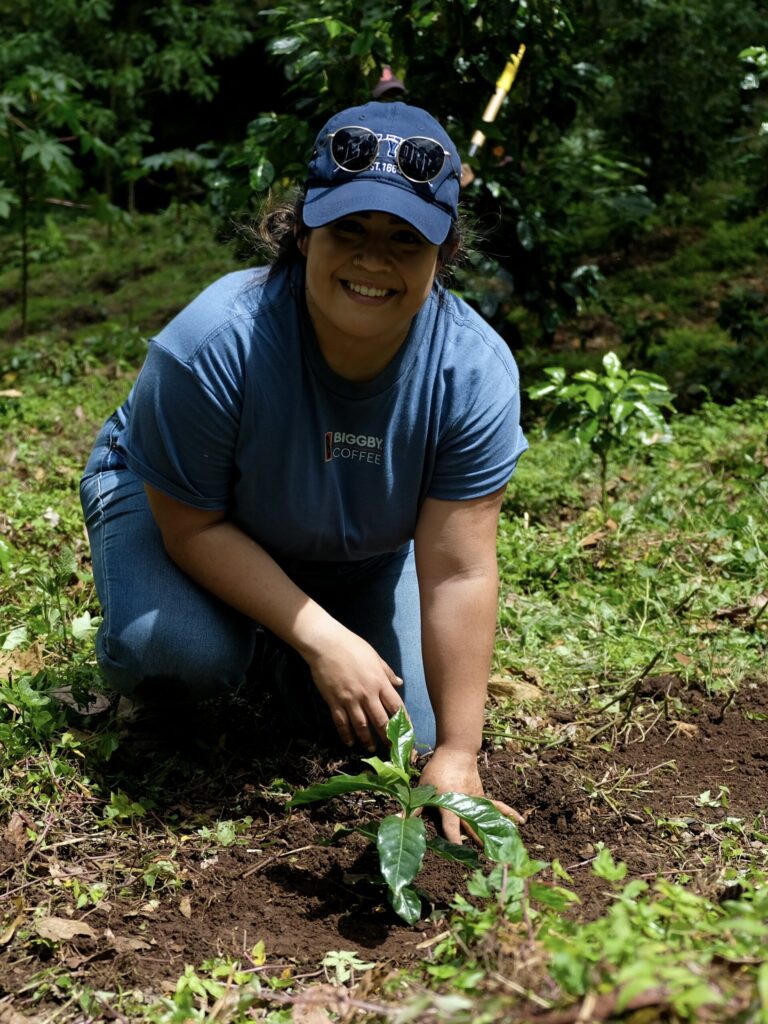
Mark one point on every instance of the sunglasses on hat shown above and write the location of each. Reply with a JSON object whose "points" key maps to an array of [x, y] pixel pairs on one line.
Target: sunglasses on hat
{"points": [[419, 158]]}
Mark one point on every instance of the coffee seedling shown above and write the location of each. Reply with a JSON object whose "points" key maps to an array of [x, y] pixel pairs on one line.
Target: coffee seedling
{"points": [[401, 839]]}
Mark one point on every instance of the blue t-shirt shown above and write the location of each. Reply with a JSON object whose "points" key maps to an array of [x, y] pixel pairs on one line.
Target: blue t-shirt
{"points": [[235, 408]]}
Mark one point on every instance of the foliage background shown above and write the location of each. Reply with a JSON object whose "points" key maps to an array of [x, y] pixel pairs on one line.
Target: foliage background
{"points": [[621, 114]]}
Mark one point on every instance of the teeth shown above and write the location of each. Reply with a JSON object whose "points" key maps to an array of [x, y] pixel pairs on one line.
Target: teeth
{"points": [[372, 293]]}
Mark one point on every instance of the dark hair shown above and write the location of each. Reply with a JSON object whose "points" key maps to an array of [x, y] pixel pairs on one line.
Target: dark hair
{"points": [[279, 227]]}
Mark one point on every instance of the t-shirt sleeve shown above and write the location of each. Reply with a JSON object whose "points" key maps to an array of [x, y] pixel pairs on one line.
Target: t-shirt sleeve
{"points": [[182, 431], [479, 449]]}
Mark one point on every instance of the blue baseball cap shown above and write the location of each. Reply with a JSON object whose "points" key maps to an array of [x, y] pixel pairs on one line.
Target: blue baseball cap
{"points": [[389, 157]]}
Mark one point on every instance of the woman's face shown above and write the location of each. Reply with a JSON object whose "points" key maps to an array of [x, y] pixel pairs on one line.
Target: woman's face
{"points": [[367, 276]]}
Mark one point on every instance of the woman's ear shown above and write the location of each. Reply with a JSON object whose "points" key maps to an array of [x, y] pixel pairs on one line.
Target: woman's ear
{"points": [[447, 253], [302, 239]]}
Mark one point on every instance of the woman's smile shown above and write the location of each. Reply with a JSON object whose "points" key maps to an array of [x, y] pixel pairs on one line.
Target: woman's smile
{"points": [[367, 291]]}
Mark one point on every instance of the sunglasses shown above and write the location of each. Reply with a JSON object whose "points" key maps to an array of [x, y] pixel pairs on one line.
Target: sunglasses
{"points": [[419, 159]]}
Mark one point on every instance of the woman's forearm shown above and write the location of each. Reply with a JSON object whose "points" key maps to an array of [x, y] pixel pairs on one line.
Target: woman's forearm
{"points": [[234, 567], [458, 628]]}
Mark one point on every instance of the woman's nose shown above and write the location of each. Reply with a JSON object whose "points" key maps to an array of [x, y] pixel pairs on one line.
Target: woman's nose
{"points": [[373, 253]]}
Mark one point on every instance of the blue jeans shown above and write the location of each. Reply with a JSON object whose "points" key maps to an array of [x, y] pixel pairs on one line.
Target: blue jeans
{"points": [[164, 636]]}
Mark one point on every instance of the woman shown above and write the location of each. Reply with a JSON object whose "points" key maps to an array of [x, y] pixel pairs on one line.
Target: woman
{"points": [[319, 450]]}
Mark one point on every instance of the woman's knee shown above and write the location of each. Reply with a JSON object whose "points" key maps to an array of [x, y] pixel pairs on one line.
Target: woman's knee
{"points": [[203, 662]]}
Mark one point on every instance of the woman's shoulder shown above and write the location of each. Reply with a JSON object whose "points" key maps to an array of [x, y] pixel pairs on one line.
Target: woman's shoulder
{"points": [[225, 310], [468, 339]]}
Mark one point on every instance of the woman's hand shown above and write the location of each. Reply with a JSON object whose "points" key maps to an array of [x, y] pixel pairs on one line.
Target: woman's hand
{"points": [[455, 771], [358, 686]]}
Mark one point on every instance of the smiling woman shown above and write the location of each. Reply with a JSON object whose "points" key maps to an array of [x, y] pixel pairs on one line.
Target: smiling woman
{"points": [[312, 462]]}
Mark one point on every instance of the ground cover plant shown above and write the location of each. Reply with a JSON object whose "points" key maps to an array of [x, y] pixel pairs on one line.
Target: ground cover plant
{"points": [[162, 878]]}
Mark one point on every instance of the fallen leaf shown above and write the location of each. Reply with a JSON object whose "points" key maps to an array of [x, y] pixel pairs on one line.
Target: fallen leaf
{"points": [[60, 929], [309, 1015], [9, 1016], [11, 393], [737, 611], [185, 906], [592, 539], [16, 830], [502, 686], [7, 934], [58, 870], [128, 944], [21, 661], [682, 659], [63, 694], [311, 1006], [688, 729]]}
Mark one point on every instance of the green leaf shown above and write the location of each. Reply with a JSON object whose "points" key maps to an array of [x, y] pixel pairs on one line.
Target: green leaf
{"points": [[460, 852], [650, 413], [335, 28], [537, 391], [553, 896], [525, 234], [401, 842], [621, 410], [555, 373], [337, 786], [284, 46], [386, 771], [762, 987], [15, 639], [421, 796], [8, 199], [513, 853], [585, 432], [406, 904], [48, 151], [82, 626], [7, 553], [491, 826], [594, 399], [612, 364], [367, 829], [604, 866], [261, 175], [401, 738]]}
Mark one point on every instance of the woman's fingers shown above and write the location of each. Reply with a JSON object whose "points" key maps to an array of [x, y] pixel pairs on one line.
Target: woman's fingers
{"points": [[508, 812]]}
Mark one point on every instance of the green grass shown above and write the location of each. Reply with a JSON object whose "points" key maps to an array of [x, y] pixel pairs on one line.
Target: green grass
{"points": [[590, 602], [587, 604]]}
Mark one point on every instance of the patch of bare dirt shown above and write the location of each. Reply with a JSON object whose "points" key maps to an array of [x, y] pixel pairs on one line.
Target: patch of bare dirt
{"points": [[290, 881]]}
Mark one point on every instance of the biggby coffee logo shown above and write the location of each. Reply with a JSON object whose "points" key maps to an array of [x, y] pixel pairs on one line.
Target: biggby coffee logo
{"points": [[353, 447]]}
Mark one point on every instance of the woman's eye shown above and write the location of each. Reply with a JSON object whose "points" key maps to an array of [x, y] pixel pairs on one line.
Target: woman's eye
{"points": [[347, 226], [408, 238]]}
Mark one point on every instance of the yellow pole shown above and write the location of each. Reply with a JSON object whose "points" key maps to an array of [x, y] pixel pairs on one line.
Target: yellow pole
{"points": [[503, 85]]}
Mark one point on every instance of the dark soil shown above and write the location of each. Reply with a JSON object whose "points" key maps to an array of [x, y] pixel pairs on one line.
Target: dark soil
{"points": [[290, 882]]}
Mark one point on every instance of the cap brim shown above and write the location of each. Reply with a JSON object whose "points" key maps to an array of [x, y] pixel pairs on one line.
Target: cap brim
{"points": [[324, 205]]}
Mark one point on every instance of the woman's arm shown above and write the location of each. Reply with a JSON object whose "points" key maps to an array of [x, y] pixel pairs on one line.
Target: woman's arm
{"points": [[358, 686], [458, 582]]}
